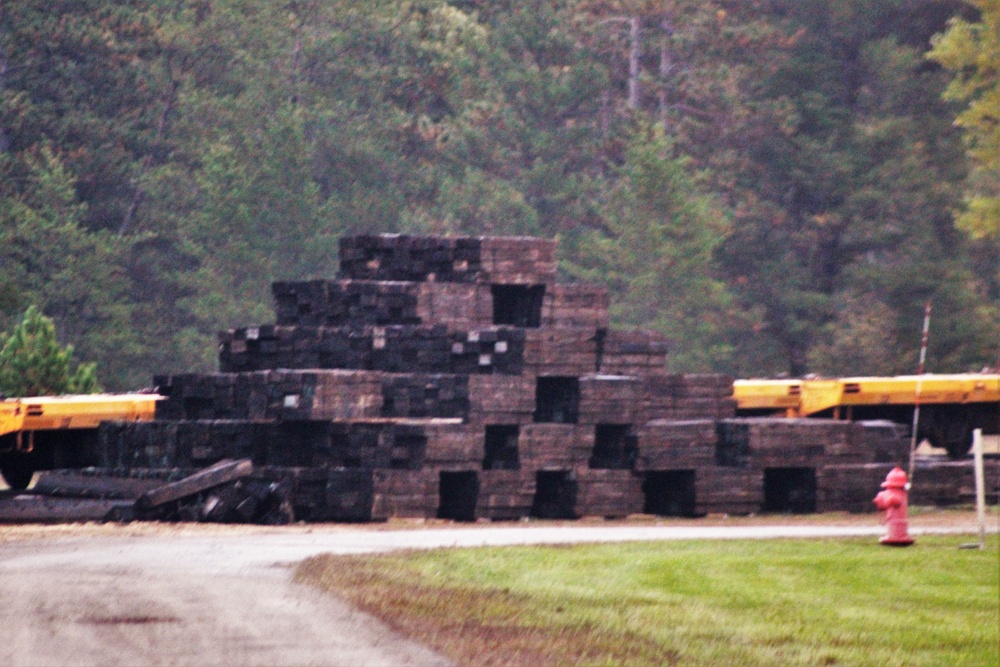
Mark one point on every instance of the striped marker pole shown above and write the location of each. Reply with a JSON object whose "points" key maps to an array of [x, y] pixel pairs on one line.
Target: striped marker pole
{"points": [[916, 399]]}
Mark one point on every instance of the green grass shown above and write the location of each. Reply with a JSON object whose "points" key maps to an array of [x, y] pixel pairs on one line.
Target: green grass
{"points": [[826, 602]]}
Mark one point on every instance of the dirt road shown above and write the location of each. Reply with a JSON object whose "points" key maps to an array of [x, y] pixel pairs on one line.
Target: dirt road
{"points": [[225, 598], [161, 601]]}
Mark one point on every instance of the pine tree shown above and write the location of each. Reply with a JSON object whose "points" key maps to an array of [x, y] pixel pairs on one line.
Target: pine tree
{"points": [[655, 255], [32, 363]]}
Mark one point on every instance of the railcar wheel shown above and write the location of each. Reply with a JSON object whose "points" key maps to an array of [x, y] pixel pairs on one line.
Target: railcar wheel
{"points": [[950, 428], [959, 449], [17, 472], [955, 436]]}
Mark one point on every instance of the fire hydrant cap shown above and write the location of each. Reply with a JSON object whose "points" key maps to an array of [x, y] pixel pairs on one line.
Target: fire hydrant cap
{"points": [[896, 479]]}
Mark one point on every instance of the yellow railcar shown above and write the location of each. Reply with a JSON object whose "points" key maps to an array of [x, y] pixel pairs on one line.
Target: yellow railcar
{"points": [[43, 432], [951, 405]]}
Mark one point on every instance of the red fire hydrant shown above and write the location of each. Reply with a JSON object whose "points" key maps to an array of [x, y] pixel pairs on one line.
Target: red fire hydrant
{"points": [[893, 501]]}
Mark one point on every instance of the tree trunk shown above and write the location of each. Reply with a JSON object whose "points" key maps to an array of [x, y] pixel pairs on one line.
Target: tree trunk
{"points": [[635, 54], [294, 82], [666, 68], [4, 68]]}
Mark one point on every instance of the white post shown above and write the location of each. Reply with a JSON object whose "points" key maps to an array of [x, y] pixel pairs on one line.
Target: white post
{"points": [[977, 453]]}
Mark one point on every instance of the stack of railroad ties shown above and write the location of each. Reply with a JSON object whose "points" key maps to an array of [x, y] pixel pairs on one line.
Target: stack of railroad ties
{"points": [[454, 377]]}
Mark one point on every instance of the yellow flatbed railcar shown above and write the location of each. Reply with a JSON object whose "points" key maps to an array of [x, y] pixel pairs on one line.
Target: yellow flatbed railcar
{"points": [[45, 432], [951, 405]]}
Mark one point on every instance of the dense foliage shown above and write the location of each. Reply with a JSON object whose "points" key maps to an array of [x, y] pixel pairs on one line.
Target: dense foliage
{"points": [[32, 363], [774, 184], [972, 51]]}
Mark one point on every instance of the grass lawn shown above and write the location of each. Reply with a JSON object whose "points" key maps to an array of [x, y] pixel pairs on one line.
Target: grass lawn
{"points": [[769, 602]]}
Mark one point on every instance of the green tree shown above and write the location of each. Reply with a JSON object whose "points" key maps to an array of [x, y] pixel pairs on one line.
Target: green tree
{"points": [[843, 182], [77, 76], [32, 363], [87, 102], [162, 163], [971, 49], [74, 275], [655, 254], [524, 155]]}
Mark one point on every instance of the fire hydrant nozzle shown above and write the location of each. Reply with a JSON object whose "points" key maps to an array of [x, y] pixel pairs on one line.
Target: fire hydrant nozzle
{"points": [[894, 502]]}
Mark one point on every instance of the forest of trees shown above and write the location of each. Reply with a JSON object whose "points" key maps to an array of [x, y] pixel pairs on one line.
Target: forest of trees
{"points": [[777, 185]]}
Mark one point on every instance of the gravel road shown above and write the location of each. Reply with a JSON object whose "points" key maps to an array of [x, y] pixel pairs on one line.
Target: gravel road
{"points": [[226, 598]]}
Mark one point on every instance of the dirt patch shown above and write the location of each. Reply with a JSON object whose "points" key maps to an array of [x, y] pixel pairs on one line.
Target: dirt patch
{"points": [[929, 517], [131, 620]]}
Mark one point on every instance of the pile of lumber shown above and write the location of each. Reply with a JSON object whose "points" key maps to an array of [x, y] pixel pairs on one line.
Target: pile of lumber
{"points": [[633, 352], [676, 445], [779, 443], [487, 351], [387, 257], [227, 492], [608, 493], [851, 487], [611, 399], [555, 446], [394, 348], [454, 377], [616, 447], [497, 399], [405, 493], [505, 350], [560, 351], [425, 395], [271, 395], [576, 306], [505, 495], [694, 396], [367, 302]]}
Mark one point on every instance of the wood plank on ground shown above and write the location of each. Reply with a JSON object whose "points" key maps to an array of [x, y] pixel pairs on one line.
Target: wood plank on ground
{"points": [[79, 484], [30, 508], [223, 472]]}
